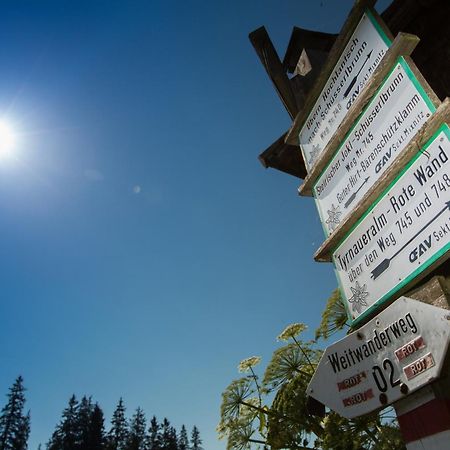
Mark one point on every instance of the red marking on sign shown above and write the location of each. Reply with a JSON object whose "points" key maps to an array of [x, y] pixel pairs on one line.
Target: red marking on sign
{"points": [[419, 366], [410, 348], [352, 381], [360, 397]]}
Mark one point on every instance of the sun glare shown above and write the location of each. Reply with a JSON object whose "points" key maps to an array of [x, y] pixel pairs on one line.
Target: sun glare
{"points": [[7, 139]]}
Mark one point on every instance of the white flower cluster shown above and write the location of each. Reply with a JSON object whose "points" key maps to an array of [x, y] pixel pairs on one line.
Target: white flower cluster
{"points": [[291, 331], [247, 363]]}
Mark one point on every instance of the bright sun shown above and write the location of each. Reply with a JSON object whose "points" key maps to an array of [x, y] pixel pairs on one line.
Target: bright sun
{"points": [[7, 139]]}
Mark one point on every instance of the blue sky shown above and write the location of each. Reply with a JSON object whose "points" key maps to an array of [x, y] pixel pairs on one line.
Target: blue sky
{"points": [[145, 251]]}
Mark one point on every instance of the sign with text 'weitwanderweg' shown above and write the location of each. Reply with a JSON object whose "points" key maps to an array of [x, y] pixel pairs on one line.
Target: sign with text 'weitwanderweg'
{"points": [[393, 116], [401, 235], [358, 61], [396, 353]]}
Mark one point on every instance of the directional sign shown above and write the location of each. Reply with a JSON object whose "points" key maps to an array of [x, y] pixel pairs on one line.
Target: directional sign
{"points": [[395, 113], [396, 353], [358, 61], [401, 235]]}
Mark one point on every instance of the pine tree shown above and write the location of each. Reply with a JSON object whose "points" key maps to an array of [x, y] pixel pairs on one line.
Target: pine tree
{"points": [[172, 443], [118, 434], [14, 426], [196, 442], [20, 441], [83, 422], [183, 440], [65, 435], [154, 436], [136, 435], [168, 436], [96, 432]]}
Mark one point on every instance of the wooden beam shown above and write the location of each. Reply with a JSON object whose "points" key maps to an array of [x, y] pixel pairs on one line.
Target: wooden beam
{"points": [[281, 156], [284, 157], [274, 68]]}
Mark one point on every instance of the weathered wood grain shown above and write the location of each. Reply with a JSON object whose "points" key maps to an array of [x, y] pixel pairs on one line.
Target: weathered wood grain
{"points": [[274, 68], [441, 115]]}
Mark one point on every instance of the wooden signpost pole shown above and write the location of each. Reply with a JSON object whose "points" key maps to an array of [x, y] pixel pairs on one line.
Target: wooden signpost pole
{"points": [[424, 416]]}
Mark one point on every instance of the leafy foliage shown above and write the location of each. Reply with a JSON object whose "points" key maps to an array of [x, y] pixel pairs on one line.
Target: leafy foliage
{"points": [[290, 361], [334, 316], [275, 412]]}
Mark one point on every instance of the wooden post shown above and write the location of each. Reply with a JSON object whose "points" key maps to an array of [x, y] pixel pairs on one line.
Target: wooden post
{"points": [[424, 416]]}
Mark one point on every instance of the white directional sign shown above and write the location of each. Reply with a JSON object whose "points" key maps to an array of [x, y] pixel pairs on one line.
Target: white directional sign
{"points": [[395, 113], [401, 235], [396, 353], [361, 56]]}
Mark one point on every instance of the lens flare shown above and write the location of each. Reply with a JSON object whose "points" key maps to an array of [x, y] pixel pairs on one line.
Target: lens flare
{"points": [[7, 139]]}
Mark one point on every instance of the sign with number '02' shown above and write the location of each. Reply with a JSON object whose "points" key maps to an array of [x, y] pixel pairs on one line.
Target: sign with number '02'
{"points": [[406, 231], [396, 353]]}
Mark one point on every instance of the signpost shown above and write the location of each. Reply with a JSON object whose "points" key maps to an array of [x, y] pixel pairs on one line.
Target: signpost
{"points": [[393, 116], [375, 141], [396, 353], [405, 233], [359, 59]]}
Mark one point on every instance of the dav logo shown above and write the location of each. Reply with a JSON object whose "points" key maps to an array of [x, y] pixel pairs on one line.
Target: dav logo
{"points": [[383, 161], [422, 248]]}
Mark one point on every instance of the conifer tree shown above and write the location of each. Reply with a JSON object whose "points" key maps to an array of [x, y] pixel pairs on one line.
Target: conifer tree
{"points": [[118, 434], [183, 440], [96, 433], [65, 435], [20, 441], [173, 440], [83, 422], [14, 425], [168, 436], [196, 442], [136, 435], [154, 436]]}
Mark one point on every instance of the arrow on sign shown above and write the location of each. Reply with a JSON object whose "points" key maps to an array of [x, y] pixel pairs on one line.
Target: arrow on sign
{"points": [[387, 262], [352, 197], [350, 86]]}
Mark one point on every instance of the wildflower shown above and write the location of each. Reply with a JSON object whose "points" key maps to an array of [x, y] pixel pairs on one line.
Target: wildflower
{"points": [[249, 409], [291, 331], [247, 363]]}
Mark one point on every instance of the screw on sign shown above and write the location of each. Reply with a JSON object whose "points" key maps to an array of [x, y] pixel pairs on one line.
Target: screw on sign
{"points": [[396, 353]]}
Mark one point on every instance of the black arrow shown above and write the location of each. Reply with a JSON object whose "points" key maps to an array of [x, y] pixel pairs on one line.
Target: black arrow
{"points": [[352, 197], [386, 262], [350, 86]]}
